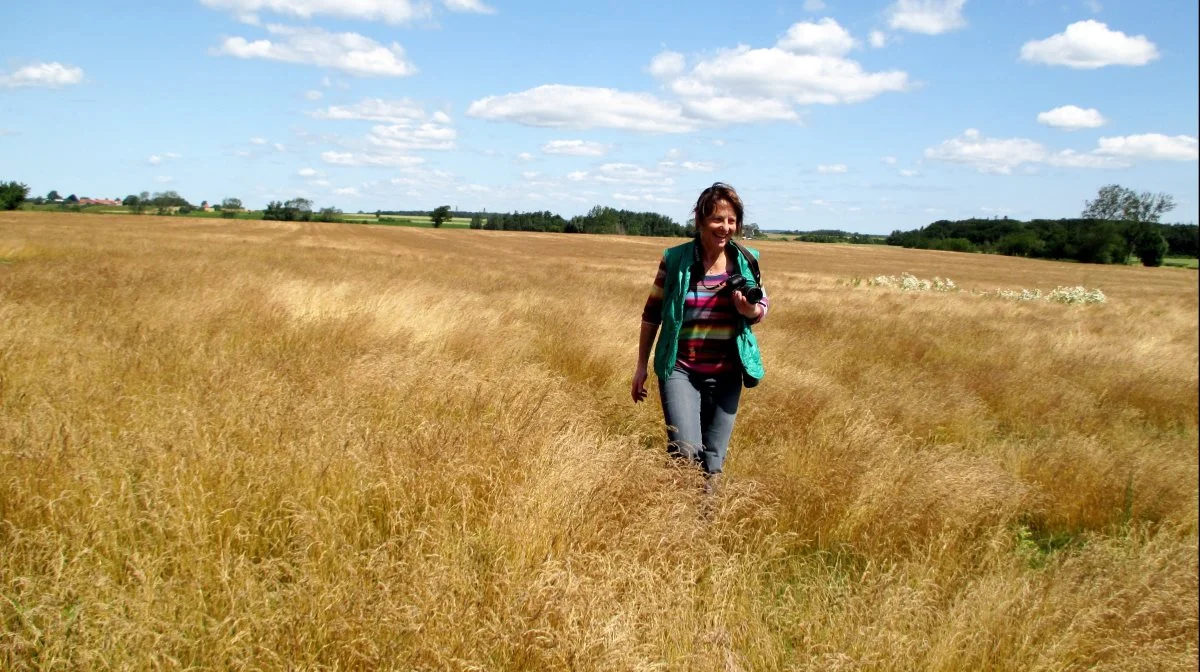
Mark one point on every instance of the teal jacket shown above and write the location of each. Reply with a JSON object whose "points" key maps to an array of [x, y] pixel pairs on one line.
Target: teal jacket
{"points": [[680, 260]]}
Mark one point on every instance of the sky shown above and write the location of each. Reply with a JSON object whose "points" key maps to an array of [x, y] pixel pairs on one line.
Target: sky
{"points": [[823, 114]]}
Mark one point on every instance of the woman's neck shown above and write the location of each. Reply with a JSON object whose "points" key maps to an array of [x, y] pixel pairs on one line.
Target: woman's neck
{"points": [[711, 258]]}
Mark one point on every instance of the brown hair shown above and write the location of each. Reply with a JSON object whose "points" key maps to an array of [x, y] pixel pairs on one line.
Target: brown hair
{"points": [[707, 203]]}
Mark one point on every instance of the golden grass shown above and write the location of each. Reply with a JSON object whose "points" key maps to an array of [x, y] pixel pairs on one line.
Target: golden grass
{"points": [[239, 444]]}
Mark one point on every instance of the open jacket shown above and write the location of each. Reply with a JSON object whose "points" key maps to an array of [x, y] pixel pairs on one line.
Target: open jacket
{"points": [[680, 260]]}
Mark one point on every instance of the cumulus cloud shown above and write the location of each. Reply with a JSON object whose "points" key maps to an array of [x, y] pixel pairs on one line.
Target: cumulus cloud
{"points": [[889, 160], [576, 148], [374, 160], [307, 172], [1072, 118], [346, 191], [313, 94], [1003, 155], [930, 17], [667, 64], [584, 107], [524, 156], [832, 169], [1089, 45], [405, 136], [1150, 146], [699, 166], [399, 111], [349, 52], [878, 39], [784, 76], [389, 11], [629, 173], [45, 75], [473, 6], [826, 38], [909, 172]]}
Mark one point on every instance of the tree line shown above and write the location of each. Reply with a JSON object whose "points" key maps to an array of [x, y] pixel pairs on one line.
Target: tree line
{"points": [[1117, 225], [600, 219]]}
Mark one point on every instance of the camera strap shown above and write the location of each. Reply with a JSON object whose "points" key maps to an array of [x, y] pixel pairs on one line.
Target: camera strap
{"points": [[750, 260]]}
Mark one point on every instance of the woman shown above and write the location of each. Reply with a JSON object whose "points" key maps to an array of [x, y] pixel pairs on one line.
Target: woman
{"points": [[706, 347]]}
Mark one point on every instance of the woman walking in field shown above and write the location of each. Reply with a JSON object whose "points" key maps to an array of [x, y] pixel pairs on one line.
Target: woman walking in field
{"points": [[706, 350]]}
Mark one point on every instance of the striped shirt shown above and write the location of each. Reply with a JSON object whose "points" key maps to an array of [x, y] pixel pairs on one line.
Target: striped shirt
{"points": [[707, 336]]}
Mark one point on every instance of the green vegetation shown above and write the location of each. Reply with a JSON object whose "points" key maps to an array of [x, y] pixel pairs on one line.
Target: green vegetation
{"points": [[1182, 262], [12, 195]]}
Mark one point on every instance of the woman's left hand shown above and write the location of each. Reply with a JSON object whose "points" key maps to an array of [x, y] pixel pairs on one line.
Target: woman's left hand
{"points": [[750, 311]]}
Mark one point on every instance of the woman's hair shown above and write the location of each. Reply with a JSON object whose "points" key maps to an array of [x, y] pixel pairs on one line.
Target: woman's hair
{"points": [[707, 203]]}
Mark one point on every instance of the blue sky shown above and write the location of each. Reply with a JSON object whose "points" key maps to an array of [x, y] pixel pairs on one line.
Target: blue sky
{"points": [[864, 116]]}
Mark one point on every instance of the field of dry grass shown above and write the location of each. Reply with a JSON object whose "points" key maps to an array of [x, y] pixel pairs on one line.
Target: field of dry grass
{"points": [[235, 444]]}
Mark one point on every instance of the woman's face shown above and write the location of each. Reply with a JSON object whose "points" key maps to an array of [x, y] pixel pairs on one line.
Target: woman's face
{"points": [[718, 228]]}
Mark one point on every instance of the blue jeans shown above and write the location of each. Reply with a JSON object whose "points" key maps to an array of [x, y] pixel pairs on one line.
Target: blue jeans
{"points": [[699, 411]]}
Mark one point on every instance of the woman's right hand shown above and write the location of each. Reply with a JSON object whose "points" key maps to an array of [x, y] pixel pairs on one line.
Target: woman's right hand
{"points": [[638, 390]]}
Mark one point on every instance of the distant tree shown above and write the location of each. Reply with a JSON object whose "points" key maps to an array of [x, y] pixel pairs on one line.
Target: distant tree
{"points": [[136, 204], [231, 204], [751, 230], [329, 215], [73, 199], [53, 195], [1114, 202], [12, 195], [477, 221], [440, 215]]}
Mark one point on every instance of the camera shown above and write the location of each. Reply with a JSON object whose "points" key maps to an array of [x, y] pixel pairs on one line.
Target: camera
{"points": [[738, 283]]}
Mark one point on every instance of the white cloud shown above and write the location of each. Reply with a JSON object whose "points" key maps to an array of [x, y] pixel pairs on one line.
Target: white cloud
{"points": [[47, 75], [667, 64], [154, 160], [834, 168], [576, 148], [824, 38], [988, 155], [279, 147], [530, 174], [349, 52], [474, 6], [1093, 5], [440, 117], [699, 166], [1002, 156], [577, 176], [1089, 45], [164, 179], [909, 172], [749, 75], [307, 172], [320, 183], [814, 5], [313, 94], [389, 11], [378, 160], [889, 160], [629, 173], [346, 191], [524, 156], [258, 141], [931, 17], [878, 39], [399, 111], [1069, 158], [583, 107], [734, 110], [818, 201], [1072, 118], [404, 137], [1150, 146]]}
